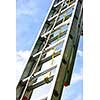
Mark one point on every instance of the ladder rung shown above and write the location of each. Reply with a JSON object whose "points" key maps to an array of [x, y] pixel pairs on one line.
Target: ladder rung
{"points": [[62, 24], [54, 45], [58, 3], [61, 34], [38, 84], [50, 57], [35, 55], [40, 73], [57, 27], [71, 6], [50, 19], [71, 2], [44, 34], [50, 47], [66, 18]]}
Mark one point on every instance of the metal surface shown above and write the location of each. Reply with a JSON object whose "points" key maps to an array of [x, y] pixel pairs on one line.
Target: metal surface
{"points": [[67, 41], [59, 76]]}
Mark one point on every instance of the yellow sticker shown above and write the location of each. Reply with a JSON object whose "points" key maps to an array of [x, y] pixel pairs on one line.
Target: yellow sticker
{"points": [[46, 77], [53, 54], [68, 2]]}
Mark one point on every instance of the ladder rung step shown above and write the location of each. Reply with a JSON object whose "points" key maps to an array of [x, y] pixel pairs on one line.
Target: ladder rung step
{"points": [[44, 34], [54, 45], [50, 19], [62, 24], [60, 2], [66, 18], [54, 38], [37, 54], [71, 2], [65, 9], [50, 57], [39, 83], [40, 73], [50, 47], [57, 27]]}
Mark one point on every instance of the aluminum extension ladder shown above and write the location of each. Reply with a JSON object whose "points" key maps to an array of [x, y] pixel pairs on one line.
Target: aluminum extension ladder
{"points": [[60, 32]]}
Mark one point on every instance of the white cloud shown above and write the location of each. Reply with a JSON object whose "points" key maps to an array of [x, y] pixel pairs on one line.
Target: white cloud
{"points": [[21, 58], [77, 76], [80, 53], [22, 54]]}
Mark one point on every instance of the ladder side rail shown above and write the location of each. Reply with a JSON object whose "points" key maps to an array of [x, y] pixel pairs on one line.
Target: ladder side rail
{"points": [[74, 49], [65, 42], [18, 85], [25, 88]]}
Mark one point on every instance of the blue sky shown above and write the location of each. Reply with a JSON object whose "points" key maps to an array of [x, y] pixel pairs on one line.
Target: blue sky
{"points": [[29, 18]]}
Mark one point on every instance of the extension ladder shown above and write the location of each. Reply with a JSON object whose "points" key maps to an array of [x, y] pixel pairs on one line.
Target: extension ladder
{"points": [[57, 40]]}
